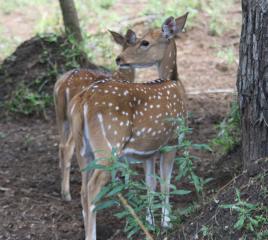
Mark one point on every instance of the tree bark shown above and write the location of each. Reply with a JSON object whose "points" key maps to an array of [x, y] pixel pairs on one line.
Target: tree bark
{"points": [[70, 19], [252, 81]]}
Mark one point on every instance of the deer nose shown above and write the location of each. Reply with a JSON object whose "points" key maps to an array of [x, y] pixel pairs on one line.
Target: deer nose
{"points": [[118, 60]]}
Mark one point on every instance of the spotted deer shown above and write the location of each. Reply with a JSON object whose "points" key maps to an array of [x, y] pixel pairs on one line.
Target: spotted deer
{"points": [[130, 117], [67, 86]]}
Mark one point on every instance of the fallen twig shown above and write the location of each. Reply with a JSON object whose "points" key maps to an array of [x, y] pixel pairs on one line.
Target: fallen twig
{"points": [[197, 92], [132, 212]]}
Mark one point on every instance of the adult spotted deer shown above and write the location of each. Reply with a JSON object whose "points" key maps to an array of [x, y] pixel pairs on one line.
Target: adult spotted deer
{"points": [[131, 117], [67, 86]]}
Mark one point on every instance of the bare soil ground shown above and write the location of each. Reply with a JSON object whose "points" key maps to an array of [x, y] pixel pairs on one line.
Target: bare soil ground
{"points": [[31, 207]]}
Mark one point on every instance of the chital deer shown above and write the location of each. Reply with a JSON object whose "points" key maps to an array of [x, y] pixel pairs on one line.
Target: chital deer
{"points": [[131, 117], [67, 86]]}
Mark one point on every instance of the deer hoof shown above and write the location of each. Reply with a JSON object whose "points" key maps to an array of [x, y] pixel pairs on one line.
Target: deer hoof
{"points": [[66, 196]]}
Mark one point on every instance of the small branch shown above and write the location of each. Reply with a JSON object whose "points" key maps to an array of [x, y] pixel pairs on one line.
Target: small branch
{"points": [[3, 189], [131, 22], [137, 20], [114, 235], [197, 92], [132, 212]]}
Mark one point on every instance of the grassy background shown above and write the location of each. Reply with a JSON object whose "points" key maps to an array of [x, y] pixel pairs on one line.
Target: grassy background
{"points": [[21, 19]]}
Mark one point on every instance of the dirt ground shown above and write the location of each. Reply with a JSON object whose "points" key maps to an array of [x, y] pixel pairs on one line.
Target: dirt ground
{"points": [[31, 207]]}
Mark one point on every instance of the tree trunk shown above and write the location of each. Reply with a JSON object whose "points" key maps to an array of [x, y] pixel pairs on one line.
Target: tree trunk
{"points": [[70, 19], [252, 81]]}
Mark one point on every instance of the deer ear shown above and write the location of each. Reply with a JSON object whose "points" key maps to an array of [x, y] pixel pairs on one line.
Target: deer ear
{"points": [[169, 28], [180, 22], [173, 26], [118, 38], [131, 37]]}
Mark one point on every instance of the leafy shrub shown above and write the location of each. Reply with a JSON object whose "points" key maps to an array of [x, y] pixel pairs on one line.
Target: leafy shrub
{"points": [[228, 131], [139, 197]]}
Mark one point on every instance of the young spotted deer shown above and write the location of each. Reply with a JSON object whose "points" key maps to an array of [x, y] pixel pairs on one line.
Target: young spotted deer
{"points": [[67, 86], [131, 117]]}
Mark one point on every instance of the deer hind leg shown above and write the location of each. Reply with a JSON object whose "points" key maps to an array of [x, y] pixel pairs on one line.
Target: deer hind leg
{"points": [[66, 150], [149, 169], [97, 143], [84, 155], [97, 180], [84, 199], [166, 166], [83, 161]]}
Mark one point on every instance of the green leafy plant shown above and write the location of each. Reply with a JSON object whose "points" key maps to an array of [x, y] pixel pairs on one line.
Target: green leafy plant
{"points": [[106, 4], [186, 161], [125, 183], [250, 216], [228, 131], [49, 22], [7, 46], [163, 9], [27, 102], [216, 9], [227, 55], [99, 49], [206, 232]]}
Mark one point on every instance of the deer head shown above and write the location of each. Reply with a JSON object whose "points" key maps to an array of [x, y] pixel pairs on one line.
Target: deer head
{"points": [[125, 41], [157, 47]]}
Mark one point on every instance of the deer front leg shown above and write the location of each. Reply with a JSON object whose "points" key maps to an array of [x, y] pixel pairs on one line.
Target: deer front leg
{"points": [[166, 166], [66, 150], [149, 169]]}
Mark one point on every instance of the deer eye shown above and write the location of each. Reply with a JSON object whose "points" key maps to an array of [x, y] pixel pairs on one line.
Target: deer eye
{"points": [[144, 43]]}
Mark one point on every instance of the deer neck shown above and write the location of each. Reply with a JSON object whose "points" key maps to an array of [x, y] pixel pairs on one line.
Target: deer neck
{"points": [[125, 74], [167, 67]]}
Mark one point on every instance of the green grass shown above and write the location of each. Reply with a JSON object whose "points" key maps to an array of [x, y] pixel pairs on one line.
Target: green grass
{"points": [[228, 132], [7, 7], [34, 97], [227, 54], [97, 16], [250, 217], [7, 46], [216, 10], [28, 102], [164, 9], [100, 48]]}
